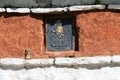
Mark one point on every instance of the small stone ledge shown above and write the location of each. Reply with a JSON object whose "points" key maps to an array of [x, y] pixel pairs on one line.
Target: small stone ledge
{"points": [[86, 62], [48, 10], [52, 10], [114, 7], [38, 63], [12, 63], [2, 9], [85, 7], [18, 10]]}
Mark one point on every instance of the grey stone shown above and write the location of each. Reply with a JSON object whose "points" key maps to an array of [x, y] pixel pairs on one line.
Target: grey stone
{"points": [[109, 1], [18, 10], [86, 7], [2, 9], [114, 7], [25, 3], [63, 3], [48, 10]]}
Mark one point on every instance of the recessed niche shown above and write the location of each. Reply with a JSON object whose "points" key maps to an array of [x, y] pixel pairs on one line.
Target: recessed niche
{"points": [[60, 34]]}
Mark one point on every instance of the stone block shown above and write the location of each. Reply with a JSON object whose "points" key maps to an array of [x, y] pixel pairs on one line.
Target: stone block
{"points": [[62, 3], [12, 63], [18, 10], [115, 59], [65, 61], [2, 9], [114, 7], [48, 10], [86, 7], [24, 3], [109, 1], [38, 63]]}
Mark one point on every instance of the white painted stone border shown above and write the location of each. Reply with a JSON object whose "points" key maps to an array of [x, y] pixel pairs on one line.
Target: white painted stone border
{"points": [[85, 7], [48, 10], [18, 10], [97, 61], [52, 10], [59, 10], [2, 9]]}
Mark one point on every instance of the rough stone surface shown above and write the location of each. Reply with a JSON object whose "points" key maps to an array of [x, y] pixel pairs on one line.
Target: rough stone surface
{"points": [[24, 3], [2, 9], [14, 63], [88, 62], [39, 62], [19, 32], [114, 7], [109, 1], [62, 3], [18, 10], [48, 10], [98, 60], [87, 7], [98, 33]]}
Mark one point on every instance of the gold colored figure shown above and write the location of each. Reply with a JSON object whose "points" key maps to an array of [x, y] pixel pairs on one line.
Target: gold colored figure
{"points": [[60, 32]]}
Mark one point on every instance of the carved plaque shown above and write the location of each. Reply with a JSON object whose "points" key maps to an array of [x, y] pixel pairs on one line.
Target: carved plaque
{"points": [[59, 34]]}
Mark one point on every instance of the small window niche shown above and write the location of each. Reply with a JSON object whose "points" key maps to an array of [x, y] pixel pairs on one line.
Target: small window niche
{"points": [[60, 34]]}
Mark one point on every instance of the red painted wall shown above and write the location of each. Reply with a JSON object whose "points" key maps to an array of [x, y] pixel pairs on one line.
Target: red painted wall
{"points": [[19, 32], [98, 34]]}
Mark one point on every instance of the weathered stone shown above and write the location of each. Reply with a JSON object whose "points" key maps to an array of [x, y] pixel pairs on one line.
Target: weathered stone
{"points": [[12, 63], [24, 3], [87, 61], [62, 3], [18, 10], [65, 61], [86, 7], [109, 1], [48, 10], [2, 9], [114, 7], [38, 63]]}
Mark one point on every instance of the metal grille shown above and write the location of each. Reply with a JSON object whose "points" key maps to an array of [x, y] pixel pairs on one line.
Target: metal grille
{"points": [[59, 34]]}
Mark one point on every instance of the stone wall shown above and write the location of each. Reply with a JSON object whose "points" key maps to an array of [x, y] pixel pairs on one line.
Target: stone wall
{"points": [[53, 3], [89, 68]]}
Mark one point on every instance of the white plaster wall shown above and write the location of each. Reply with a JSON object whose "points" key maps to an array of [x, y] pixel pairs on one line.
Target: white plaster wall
{"points": [[85, 68], [53, 73]]}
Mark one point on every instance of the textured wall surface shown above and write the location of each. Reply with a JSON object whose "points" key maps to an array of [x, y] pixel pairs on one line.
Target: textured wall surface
{"points": [[19, 32], [53, 3], [53, 73], [99, 33], [103, 68]]}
